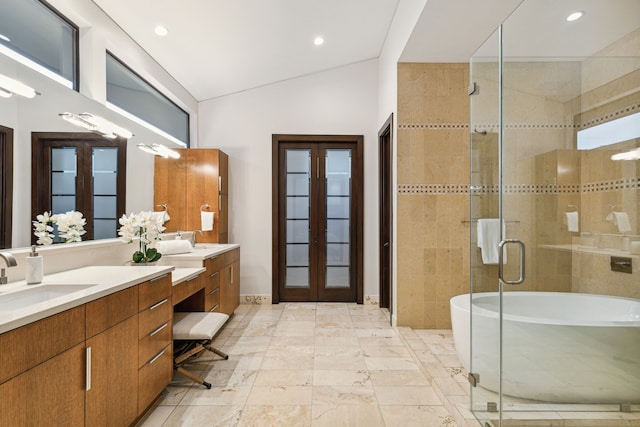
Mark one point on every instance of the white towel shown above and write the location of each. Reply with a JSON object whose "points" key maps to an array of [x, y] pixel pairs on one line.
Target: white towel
{"points": [[171, 247], [488, 238], [573, 221], [206, 220], [162, 216], [621, 219]]}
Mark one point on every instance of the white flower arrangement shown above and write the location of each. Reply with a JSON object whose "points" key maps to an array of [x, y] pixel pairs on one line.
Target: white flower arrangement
{"points": [[70, 227], [148, 227]]}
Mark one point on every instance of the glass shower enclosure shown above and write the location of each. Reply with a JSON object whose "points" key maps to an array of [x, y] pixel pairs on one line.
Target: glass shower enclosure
{"points": [[555, 216]]}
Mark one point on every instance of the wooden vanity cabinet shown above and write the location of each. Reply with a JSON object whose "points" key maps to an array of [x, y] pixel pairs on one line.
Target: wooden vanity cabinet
{"points": [[42, 372], [112, 356], [198, 178], [212, 284], [155, 355], [99, 364], [230, 281]]}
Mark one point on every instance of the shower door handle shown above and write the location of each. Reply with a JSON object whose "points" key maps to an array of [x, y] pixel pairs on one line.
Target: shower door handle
{"points": [[501, 247]]}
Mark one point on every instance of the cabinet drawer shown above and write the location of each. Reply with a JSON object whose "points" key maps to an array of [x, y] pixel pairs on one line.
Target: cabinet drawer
{"points": [[153, 377], [184, 290], [152, 343], [153, 317], [154, 290], [212, 281], [213, 264], [212, 299], [107, 311], [29, 345]]}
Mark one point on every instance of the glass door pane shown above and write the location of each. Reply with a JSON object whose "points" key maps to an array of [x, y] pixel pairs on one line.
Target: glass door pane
{"points": [[297, 194], [338, 218], [64, 173], [478, 346], [105, 192]]}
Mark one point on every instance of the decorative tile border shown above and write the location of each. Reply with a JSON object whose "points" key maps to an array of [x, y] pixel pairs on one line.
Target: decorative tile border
{"points": [[493, 127], [433, 126], [591, 187]]}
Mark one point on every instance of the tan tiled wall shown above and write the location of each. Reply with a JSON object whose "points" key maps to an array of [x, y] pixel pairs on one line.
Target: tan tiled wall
{"points": [[433, 153]]}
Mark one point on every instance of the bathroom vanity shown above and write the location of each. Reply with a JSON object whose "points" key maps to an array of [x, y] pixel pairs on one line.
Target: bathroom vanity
{"points": [[93, 345]]}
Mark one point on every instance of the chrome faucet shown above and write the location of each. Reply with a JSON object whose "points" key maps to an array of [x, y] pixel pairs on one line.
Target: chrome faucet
{"points": [[193, 237], [10, 261]]}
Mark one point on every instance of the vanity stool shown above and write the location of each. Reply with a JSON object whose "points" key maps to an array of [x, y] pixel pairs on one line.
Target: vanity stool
{"points": [[192, 334]]}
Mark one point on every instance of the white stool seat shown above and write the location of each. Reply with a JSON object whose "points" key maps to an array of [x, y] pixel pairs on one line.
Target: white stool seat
{"points": [[197, 325]]}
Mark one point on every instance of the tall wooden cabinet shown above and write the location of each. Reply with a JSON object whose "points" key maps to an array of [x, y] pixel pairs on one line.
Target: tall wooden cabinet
{"points": [[197, 181]]}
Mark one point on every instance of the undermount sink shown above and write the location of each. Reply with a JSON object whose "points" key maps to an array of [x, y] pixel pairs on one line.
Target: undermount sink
{"points": [[20, 299]]}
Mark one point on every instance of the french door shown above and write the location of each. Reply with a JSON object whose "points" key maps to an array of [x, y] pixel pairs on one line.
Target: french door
{"points": [[317, 219]]}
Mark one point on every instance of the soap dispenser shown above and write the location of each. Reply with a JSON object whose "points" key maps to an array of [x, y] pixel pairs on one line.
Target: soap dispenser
{"points": [[34, 268]]}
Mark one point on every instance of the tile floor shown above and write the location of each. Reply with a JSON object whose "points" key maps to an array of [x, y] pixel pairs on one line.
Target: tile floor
{"points": [[307, 364]]}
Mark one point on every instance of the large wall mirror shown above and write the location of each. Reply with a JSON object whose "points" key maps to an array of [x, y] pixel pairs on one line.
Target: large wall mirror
{"points": [[41, 114]]}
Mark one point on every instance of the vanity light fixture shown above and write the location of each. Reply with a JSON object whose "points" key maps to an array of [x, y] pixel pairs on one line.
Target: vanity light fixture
{"points": [[159, 150], [96, 124], [5, 38], [575, 16], [627, 155], [5, 94], [12, 86]]}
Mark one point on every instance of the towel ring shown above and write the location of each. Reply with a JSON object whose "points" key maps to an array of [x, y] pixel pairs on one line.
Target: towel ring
{"points": [[573, 206], [204, 207], [163, 206]]}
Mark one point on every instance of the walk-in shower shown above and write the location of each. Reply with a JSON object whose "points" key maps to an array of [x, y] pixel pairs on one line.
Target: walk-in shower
{"points": [[568, 214]]}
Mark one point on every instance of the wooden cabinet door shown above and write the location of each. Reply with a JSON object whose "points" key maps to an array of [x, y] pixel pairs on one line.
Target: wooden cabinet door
{"points": [[230, 287], [169, 189], [112, 399], [50, 394]]}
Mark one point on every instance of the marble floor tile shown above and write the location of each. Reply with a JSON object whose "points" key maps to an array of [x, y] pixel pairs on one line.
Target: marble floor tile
{"points": [[275, 415], [200, 396], [346, 415], [342, 377], [219, 416], [348, 358], [279, 394], [391, 364], [417, 416], [407, 395], [284, 377], [343, 395], [398, 378]]}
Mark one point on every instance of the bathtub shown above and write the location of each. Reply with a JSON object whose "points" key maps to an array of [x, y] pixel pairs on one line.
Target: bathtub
{"points": [[558, 347]]}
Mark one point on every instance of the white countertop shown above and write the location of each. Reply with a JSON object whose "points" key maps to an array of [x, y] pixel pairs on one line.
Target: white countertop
{"points": [[201, 252], [180, 275], [105, 280]]}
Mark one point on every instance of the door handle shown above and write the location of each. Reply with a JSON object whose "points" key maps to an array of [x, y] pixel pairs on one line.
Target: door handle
{"points": [[501, 246], [386, 245]]}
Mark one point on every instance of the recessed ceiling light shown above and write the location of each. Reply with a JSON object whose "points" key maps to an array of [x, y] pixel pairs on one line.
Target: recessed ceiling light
{"points": [[161, 31], [575, 16], [318, 41]]}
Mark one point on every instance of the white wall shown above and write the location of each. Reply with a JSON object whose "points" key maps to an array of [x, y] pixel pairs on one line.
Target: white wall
{"points": [[339, 101], [404, 21]]}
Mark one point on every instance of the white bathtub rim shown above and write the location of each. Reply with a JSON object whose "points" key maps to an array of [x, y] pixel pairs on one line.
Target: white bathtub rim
{"points": [[461, 302]]}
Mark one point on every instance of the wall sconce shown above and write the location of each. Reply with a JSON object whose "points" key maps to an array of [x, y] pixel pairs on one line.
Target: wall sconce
{"points": [[96, 124], [159, 150], [9, 86], [627, 155]]}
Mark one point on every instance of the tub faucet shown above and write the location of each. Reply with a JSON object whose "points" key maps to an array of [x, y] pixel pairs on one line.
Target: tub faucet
{"points": [[193, 237], [10, 261]]}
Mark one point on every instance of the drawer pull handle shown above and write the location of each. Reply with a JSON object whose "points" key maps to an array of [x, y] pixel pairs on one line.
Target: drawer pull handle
{"points": [[158, 330], [158, 304], [214, 274], [159, 277], [193, 278], [157, 356], [214, 291], [88, 368]]}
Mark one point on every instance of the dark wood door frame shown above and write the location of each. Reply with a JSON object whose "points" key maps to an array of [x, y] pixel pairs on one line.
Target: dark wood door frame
{"points": [[41, 144], [6, 186], [358, 177], [385, 172]]}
